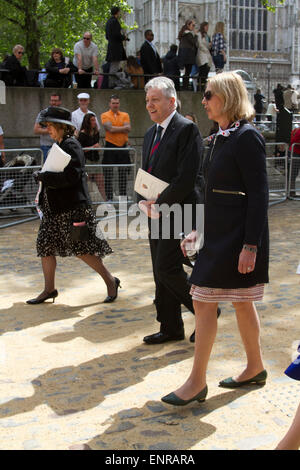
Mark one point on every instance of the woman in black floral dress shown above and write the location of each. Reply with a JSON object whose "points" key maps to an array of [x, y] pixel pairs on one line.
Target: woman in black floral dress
{"points": [[68, 225]]}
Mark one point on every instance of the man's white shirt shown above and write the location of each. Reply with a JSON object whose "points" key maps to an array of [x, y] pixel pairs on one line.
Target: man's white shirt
{"points": [[77, 118]]}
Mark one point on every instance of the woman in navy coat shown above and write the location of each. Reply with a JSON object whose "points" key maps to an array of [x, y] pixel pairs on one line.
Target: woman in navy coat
{"points": [[233, 262]]}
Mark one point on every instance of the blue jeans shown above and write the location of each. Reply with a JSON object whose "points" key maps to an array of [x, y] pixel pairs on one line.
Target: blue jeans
{"points": [[45, 149], [219, 61]]}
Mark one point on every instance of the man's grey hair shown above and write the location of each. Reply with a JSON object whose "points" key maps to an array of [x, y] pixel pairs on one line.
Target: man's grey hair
{"points": [[166, 85]]}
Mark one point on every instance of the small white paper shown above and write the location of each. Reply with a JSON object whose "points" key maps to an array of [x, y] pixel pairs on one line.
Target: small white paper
{"points": [[7, 184], [148, 185], [57, 160], [298, 269]]}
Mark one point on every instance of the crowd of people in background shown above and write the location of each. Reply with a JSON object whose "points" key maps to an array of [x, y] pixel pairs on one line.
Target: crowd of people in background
{"points": [[194, 57], [284, 97], [235, 221], [116, 125]]}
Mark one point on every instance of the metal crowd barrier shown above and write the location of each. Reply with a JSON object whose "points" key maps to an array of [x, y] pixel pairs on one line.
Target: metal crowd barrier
{"points": [[294, 170], [265, 122], [140, 77], [18, 187], [296, 121], [277, 171], [108, 182]]}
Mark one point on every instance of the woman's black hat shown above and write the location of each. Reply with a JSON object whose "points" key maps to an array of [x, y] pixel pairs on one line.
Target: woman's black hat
{"points": [[56, 114]]}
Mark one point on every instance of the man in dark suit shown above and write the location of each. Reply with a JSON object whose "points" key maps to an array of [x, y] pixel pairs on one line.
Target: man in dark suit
{"points": [[172, 151], [115, 50], [150, 60]]}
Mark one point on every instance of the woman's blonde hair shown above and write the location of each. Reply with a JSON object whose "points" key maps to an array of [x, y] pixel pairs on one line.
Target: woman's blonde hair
{"points": [[229, 86], [220, 27]]}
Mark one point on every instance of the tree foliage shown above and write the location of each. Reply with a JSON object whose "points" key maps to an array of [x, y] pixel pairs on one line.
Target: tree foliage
{"points": [[271, 5], [40, 25]]}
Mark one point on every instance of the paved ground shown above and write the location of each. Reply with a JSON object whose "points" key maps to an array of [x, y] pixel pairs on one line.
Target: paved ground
{"points": [[78, 372]]}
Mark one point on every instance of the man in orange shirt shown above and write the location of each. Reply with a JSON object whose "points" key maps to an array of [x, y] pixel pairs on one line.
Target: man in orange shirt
{"points": [[117, 126]]}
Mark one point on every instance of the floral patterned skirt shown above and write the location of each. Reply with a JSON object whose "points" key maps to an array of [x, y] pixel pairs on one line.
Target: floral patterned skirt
{"points": [[54, 236]]}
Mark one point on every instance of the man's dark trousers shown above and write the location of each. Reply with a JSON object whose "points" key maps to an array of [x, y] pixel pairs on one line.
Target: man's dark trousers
{"points": [[172, 288]]}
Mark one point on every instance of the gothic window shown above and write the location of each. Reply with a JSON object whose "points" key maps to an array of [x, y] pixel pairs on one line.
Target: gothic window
{"points": [[233, 40], [249, 25], [241, 41], [265, 42], [246, 41], [233, 18], [259, 42]]}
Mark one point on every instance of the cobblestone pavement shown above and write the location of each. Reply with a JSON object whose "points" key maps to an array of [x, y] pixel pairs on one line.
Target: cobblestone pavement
{"points": [[77, 372]]}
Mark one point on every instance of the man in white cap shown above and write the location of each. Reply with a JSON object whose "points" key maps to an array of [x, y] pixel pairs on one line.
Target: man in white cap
{"points": [[78, 115]]}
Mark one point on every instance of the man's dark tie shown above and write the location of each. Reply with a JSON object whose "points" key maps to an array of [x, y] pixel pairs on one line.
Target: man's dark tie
{"points": [[155, 148]]}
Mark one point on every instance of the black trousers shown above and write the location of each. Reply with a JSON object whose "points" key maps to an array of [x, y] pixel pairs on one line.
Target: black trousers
{"points": [[186, 77], [84, 80], [203, 74], [171, 285], [114, 157]]}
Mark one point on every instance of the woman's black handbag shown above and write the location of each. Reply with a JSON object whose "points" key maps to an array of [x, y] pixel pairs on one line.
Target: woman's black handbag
{"points": [[79, 233]]}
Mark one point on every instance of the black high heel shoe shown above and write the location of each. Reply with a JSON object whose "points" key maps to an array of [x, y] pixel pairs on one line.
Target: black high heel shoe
{"points": [[40, 300], [112, 298]]}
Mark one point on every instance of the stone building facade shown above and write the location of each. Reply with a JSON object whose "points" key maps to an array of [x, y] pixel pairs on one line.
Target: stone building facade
{"points": [[265, 44]]}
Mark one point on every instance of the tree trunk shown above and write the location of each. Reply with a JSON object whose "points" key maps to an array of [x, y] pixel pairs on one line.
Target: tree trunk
{"points": [[32, 33]]}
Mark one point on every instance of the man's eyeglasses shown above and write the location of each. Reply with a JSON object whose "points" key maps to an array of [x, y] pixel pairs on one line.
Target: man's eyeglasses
{"points": [[88, 39], [20, 52], [208, 95]]}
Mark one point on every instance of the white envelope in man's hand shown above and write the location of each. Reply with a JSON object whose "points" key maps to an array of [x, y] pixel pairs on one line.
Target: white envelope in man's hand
{"points": [[148, 185]]}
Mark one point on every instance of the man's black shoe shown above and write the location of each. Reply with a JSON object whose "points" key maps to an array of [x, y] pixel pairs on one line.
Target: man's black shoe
{"points": [[158, 338], [192, 337]]}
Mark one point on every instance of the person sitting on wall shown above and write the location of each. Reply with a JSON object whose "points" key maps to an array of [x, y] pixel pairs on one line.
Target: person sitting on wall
{"points": [[133, 68], [16, 75], [59, 69]]}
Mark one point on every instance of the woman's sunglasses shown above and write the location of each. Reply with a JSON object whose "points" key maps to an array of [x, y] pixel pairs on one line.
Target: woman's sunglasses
{"points": [[208, 95]]}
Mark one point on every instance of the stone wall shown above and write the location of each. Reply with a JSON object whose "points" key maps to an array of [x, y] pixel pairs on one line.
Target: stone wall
{"points": [[17, 116]]}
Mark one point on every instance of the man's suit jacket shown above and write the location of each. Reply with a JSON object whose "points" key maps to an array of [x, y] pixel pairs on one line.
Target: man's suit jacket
{"points": [[177, 161], [150, 61]]}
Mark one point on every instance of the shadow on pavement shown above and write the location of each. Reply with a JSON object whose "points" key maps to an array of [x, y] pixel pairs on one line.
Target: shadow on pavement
{"points": [[21, 315], [160, 427], [70, 389]]}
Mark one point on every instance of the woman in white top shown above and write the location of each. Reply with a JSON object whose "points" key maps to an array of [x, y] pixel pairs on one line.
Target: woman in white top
{"points": [[203, 58]]}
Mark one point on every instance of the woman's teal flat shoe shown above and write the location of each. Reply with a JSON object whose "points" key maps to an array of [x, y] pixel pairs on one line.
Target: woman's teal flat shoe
{"points": [[259, 379], [173, 399]]}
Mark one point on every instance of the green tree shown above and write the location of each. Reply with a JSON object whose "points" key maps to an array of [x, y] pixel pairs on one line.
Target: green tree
{"points": [[40, 25], [271, 5]]}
